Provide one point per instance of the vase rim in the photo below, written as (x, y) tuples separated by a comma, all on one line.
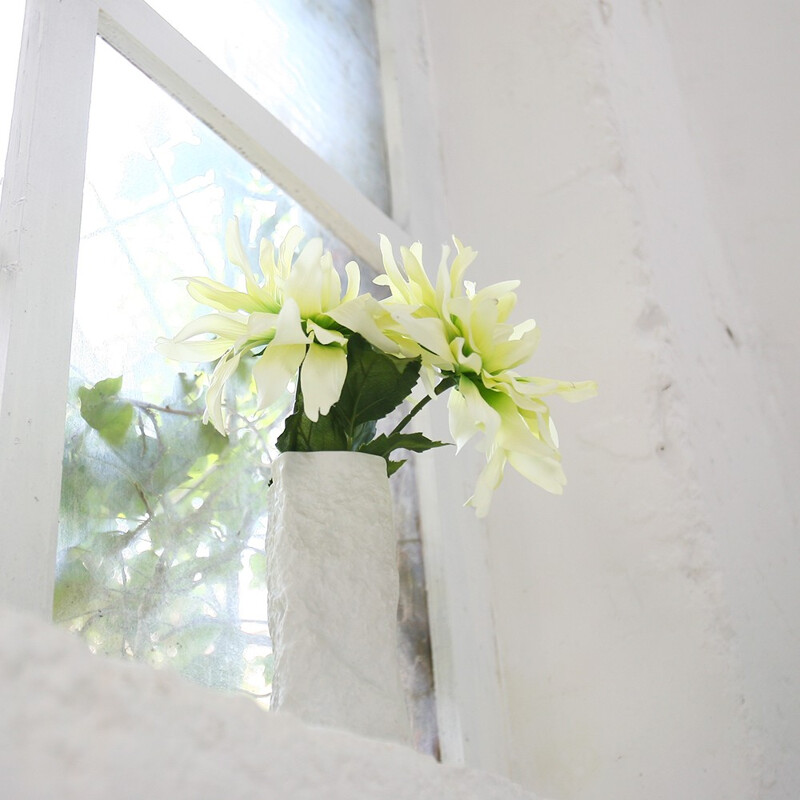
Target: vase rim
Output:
[(324, 454), (325, 460)]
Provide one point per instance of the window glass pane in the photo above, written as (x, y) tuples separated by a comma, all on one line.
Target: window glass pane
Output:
[(10, 37), (162, 524), (313, 65)]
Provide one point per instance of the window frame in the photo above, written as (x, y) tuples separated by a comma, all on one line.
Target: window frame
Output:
[(40, 211)]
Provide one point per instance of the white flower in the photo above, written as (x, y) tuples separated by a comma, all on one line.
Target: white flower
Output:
[(295, 311), (463, 335)]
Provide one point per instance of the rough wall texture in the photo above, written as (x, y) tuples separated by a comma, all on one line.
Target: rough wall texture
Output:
[(79, 727), (630, 613), (738, 69), (714, 203)]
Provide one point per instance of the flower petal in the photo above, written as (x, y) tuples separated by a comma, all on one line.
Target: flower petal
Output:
[(511, 353), (515, 433), (417, 277), (262, 325), (213, 413), (464, 257), (496, 291), (489, 479), (199, 351), (286, 251), (572, 391), (305, 282), (236, 251), (225, 326), (275, 368), (353, 281), (393, 278), (325, 336), (462, 425), (429, 332), (472, 415), (464, 361), (366, 316), (331, 285), (279, 362), (544, 472), (218, 295), (289, 327), (321, 378), (272, 277)]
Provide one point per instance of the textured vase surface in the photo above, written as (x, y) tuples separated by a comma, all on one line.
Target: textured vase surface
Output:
[(333, 591)]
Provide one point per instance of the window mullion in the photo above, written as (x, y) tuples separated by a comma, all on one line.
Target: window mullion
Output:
[(40, 216)]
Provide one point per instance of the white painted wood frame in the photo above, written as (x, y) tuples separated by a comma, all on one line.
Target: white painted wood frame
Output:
[(39, 235), (40, 214), (470, 702)]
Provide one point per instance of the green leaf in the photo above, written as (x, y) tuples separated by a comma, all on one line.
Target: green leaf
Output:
[(142, 569), (393, 465), (384, 445), (363, 433), (181, 441), (189, 643), (104, 411), (375, 385), (73, 591), (210, 440), (300, 434), (201, 466)]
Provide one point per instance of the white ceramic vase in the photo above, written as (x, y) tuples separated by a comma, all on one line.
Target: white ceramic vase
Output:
[(333, 592)]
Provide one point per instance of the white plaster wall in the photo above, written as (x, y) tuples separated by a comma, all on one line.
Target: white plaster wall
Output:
[(718, 239), (738, 67), (646, 620)]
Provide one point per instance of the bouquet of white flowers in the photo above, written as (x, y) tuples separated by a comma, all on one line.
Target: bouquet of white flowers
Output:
[(349, 360)]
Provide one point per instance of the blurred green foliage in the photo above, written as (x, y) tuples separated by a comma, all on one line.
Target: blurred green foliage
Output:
[(162, 527)]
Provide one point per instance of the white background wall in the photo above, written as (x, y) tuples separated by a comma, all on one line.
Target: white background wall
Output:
[(636, 165)]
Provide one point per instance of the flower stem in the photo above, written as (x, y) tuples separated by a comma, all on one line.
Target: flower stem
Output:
[(442, 386)]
